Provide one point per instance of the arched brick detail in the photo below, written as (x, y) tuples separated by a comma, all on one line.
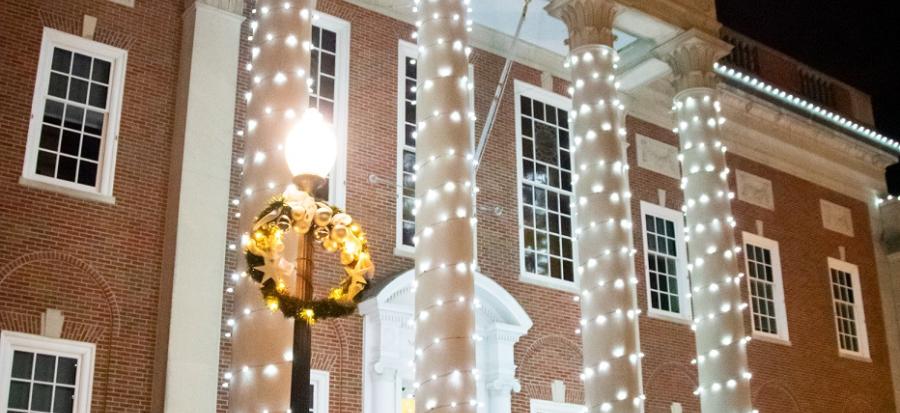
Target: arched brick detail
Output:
[(668, 379), (25, 323), (114, 310), (775, 397), (536, 357)]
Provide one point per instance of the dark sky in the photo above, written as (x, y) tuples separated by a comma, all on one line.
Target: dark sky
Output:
[(857, 42)]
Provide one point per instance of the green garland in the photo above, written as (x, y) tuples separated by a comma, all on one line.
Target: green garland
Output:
[(298, 213)]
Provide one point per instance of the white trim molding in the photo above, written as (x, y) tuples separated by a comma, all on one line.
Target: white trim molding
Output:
[(102, 188), (547, 406), (320, 380), (776, 283), (84, 353)]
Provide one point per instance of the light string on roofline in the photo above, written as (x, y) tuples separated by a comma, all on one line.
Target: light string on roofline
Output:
[(702, 154), (807, 106), (597, 116)]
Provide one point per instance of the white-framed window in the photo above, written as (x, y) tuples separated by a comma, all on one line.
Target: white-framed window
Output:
[(547, 406), (41, 374), (329, 73), (318, 385), (544, 164), (849, 315), (665, 263), (406, 144), (75, 114), (766, 287)]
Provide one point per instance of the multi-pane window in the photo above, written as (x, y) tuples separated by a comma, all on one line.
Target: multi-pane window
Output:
[(766, 287), (545, 166), (407, 143), (664, 261), (318, 386), (323, 75), (40, 374), (848, 308), (75, 113)]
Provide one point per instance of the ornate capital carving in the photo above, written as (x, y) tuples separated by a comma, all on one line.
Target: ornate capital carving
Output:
[(691, 56), (588, 21)]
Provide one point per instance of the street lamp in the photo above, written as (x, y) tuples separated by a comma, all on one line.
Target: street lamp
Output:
[(310, 150)]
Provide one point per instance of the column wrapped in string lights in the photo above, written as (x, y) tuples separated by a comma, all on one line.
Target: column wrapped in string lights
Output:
[(260, 375), (445, 292), (715, 278), (603, 226)]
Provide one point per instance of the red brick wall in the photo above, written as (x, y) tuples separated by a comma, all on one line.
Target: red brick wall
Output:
[(100, 264)]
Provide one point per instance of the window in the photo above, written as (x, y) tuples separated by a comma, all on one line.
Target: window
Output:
[(665, 262), (545, 187), (41, 374), (318, 385), (75, 116), (329, 69), (766, 287), (849, 317), (406, 144)]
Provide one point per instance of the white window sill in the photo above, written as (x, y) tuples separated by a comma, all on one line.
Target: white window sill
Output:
[(854, 356), (75, 193), (546, 281), (404, 251), (769, 338), (669, 316)]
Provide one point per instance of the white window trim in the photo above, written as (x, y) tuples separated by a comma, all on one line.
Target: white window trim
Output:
[(406, 49), (684, 285), (547, 406), (320, 380), (783, 336), (83, 352), (337, 191), (562, 102), (102, 192), (859, 310)]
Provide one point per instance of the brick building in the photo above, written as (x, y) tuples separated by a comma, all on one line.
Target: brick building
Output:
[(124, 139)]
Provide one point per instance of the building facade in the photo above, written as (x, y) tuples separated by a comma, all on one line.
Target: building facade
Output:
[(124, 135)]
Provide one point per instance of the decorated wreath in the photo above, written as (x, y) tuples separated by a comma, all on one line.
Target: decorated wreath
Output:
[(296, 211)]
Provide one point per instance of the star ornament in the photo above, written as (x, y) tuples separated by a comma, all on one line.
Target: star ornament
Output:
[(276, 269)]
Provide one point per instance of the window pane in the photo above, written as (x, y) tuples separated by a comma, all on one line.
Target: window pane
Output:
[(49, 138), (41, 397), (87, 173), (81, 66), (101, 71), (19, 394), (46, 164), (45, 368), (65, 373), (74, 117), (329, 40), (98, 96), (59, 85), (66, 169), (71, 142), (22, 361), (93, 122), (62, 59), (53, 112), (63, 400), (545, 142), (78, 90)]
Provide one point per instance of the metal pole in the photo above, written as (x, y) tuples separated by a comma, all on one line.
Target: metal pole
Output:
[(301, 396)]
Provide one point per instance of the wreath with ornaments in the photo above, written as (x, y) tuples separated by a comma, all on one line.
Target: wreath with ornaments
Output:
[(299, 213)]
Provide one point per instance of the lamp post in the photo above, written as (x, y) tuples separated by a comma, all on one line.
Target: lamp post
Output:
[(310, 149)]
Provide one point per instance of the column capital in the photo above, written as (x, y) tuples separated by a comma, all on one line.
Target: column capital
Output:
[(588, 21), (231, 6), (691, 56)]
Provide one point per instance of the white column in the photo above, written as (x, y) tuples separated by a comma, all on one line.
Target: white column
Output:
[(603, 226), (884, 217), (500, 366), (280, 56), (197, 216), (715, 275), (445, 291)]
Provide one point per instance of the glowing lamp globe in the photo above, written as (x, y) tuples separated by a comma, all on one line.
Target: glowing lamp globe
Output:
[(311, 146)]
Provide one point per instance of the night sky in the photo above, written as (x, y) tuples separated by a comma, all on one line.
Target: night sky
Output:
[(857, 42)]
